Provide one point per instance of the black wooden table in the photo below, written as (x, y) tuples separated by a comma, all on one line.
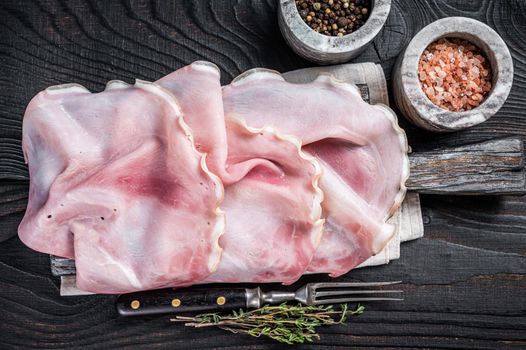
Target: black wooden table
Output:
[(465, 281)]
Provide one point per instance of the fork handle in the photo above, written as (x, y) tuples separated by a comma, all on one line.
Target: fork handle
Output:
[(172, 301)]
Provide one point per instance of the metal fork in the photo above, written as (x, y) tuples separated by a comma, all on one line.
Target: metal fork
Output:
[(325, 293), (202, 299)]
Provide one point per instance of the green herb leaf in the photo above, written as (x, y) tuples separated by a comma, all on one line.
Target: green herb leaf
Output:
[(290, 324)]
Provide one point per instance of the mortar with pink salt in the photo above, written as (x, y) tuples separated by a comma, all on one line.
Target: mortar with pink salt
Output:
[(455, 73)]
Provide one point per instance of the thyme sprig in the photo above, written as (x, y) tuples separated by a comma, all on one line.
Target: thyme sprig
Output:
[(285, 323)]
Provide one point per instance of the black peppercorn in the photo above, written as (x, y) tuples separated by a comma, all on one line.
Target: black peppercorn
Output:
[(342, 22), (334, 17)]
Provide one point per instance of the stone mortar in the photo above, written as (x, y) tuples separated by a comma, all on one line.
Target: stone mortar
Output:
[(418, 108), (324, 49)]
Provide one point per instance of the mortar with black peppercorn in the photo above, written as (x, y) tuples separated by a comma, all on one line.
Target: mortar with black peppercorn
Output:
[(331, 31)]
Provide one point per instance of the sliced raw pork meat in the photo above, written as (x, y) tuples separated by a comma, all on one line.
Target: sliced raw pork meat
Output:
[(362, 151), (272, 202), (273, 213), (185, 182), (117, 184)]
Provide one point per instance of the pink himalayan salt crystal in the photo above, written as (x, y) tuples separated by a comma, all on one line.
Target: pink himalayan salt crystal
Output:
[(454, 74)]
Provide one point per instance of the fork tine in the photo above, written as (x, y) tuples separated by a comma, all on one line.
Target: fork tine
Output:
[(348, 300), (346, 292), (352, 284)]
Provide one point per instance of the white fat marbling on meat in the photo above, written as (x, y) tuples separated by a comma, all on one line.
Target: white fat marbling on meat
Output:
[(272, 201), (362, 149), (117, 184)]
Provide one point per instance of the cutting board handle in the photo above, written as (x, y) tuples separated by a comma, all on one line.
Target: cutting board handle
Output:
[(494, 167), (488, 168)]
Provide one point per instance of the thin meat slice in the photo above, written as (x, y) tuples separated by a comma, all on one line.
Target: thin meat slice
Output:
[(362, 151), (351, 232), (273, 212), (272, 201), (198, 92), (117, 184)]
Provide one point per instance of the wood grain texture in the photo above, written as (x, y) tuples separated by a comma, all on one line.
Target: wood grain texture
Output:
[(465, 281), (493, 167)]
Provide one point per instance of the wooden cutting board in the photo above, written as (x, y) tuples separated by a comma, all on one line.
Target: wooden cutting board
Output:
[(493, 167)]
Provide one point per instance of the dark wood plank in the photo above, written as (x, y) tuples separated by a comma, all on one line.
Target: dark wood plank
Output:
[(13, 201), (464, 281), (493, 167), (12, 163)]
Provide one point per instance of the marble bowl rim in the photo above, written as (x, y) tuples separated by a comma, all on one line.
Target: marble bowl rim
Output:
[(478, 31), (342, 44)]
